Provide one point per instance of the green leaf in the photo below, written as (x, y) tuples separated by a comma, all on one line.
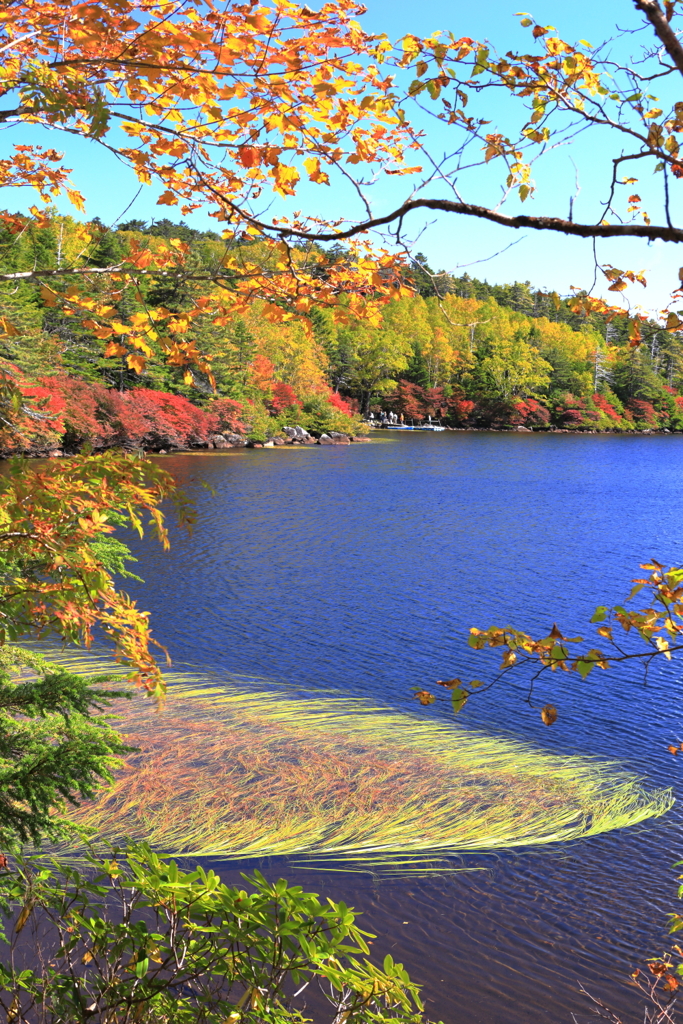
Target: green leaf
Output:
[(583, 666), (141, 967), (459, 699), (600, 613)]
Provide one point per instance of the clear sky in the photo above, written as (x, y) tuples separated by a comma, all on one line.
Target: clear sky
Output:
[(449, 242)]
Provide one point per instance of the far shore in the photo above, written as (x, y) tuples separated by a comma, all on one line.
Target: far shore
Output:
[(302, 439)]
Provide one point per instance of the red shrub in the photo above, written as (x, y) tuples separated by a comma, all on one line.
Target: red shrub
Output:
[(572, 418), (408, 399), (78, 412), (604, 406), (342, 404), (462, 410), (572, 412), (435, 402), (531, 413), (227, 414), (172, 420), (282, 397), (643, 412)]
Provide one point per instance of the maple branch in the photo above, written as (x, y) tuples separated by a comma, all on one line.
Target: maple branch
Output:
[(657, 18), (558, 224), (17, 112)]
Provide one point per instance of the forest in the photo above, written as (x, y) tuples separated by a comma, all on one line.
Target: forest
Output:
[(471, 354)]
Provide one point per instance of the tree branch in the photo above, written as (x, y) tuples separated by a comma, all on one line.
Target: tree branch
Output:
[(558, 224), (655, 15)]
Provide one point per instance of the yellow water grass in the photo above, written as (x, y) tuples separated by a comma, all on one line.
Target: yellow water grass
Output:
[(240, 772)]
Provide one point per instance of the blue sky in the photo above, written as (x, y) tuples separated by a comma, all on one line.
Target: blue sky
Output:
[(449, 242)]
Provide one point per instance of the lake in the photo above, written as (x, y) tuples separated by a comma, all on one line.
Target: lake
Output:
[(360, 569)]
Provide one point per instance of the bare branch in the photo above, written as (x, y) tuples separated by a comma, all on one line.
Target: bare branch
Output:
[(657, 18)]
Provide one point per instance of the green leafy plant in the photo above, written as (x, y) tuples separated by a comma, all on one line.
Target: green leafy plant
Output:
[(137, 939)]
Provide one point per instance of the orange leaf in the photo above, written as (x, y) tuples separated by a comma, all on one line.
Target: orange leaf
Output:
[(425, 697), (136, 362), (249, 156), (114, 349), (548, 714)]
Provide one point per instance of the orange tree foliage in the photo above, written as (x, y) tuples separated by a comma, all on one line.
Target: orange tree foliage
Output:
[(56, 567), (223, 104), (219, 104)]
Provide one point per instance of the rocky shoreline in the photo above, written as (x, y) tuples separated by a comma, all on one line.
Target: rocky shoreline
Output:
[(299, 436), (295, 436)]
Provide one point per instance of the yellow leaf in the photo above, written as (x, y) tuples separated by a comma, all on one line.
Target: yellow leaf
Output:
[(23, 916), (312, 165), (7, 328), (285, 179)]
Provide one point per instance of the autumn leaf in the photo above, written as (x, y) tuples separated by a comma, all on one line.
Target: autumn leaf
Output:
[(136, 362), (548, 714), (24, 915), (114, 349), (425, 697)]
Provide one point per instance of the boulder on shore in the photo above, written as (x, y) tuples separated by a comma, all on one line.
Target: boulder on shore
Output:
[(334, 438), (296, 433)]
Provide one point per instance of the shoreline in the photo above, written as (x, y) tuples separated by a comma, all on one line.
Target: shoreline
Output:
[(235, 442)]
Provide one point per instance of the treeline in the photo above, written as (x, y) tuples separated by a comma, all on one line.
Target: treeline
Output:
[(470, 353)]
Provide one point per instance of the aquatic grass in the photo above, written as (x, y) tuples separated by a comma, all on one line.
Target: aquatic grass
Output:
[(239, 772)]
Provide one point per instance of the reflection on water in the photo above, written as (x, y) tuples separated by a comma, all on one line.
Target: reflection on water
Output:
[(360, 569)]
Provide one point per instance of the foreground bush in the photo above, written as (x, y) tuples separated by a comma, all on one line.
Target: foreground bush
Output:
[(136, 939)]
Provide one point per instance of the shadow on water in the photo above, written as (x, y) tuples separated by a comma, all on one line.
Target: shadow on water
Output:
[(360, 569)]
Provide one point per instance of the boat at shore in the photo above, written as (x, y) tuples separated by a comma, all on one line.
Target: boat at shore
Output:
[(407, 426)]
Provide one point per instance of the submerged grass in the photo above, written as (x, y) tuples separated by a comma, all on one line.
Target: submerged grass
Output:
[(240, 772)]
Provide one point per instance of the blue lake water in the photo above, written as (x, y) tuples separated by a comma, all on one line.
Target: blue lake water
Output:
[(360, 569)]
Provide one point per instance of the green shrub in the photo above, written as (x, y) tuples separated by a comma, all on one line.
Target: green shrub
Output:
[(136, 940)]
